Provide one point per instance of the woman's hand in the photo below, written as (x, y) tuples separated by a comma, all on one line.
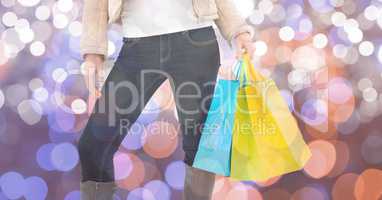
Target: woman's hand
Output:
[(93, 76), (243, 44)]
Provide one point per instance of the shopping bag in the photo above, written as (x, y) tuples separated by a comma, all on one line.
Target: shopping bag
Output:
[(266, 139), (214, 150)]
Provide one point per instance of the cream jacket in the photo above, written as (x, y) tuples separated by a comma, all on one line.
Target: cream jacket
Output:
[(97, 14)]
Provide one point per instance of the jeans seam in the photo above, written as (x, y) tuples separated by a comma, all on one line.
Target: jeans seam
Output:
[(164, 44)]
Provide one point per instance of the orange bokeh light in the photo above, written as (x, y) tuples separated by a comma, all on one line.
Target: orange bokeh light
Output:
[(277, 194), (135, 176), (323, 159), (243, 191), (228, 189), (221, 188), (342, 158), (270, 37), (369, 185), (161, 139), (344, 186)]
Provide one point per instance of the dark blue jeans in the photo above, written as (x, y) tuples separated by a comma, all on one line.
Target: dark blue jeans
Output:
[(189, 59)]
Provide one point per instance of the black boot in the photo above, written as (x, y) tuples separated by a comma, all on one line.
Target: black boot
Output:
[(198, 185)]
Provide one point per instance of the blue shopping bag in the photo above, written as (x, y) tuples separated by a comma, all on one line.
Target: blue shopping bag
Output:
[(214, 150)]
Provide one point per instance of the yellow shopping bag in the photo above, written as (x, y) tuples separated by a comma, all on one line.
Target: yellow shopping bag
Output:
[(266, 139)]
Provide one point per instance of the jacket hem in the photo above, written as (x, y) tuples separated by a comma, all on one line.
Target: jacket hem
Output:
[(93, 50)]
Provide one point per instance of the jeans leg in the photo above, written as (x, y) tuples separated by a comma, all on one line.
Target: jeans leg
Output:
[(124, 95), (194, 68)]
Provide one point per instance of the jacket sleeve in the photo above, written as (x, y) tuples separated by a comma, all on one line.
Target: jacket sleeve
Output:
[(230, 22), (94, 27)]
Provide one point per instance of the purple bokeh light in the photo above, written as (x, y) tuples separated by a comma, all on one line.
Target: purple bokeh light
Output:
[(36, 188), (64, 156), (159, 189), (125, 165), (149, 113), (43, 157), (141, 194), (175, 174), (74, 195), (2, 196), (322, 6), (313, 112), (13, 185), (133, 139)]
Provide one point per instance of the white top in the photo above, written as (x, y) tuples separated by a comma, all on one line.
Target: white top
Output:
[(141, 18)]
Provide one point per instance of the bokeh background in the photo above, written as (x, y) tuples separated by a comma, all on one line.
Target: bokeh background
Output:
[(325, 56)]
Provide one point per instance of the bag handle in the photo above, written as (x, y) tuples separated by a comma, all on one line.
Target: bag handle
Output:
[(241, 70), (252, 74), (236, 69)]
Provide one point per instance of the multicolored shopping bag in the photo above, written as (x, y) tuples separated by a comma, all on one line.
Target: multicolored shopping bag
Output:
[(214, 150), (266, 139)]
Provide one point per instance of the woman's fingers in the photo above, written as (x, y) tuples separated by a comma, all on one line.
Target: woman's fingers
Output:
[(93, 77), (249, 48), (99, 80), (240, 50), (245, 47), (90, 74), (90, 80)]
